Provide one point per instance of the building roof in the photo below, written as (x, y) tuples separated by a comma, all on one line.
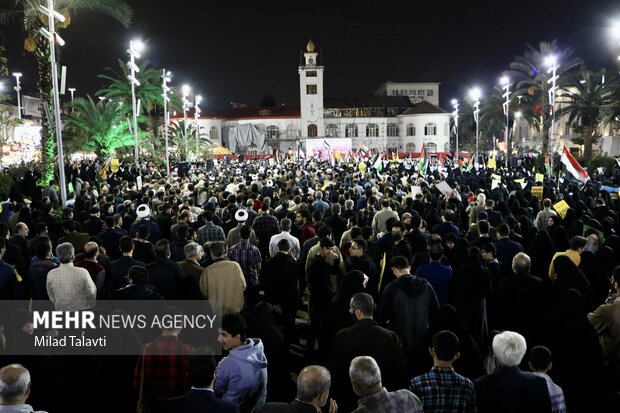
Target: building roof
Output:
[(423, 107), (367, 102), (246, 113)]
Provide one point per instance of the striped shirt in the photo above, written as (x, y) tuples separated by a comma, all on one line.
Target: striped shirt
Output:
[(558, 405), (247, 256), (400, 401), (209, 233), (444, 390)]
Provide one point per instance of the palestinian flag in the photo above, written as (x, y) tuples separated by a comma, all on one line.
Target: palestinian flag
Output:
[(422, 161), (326, 145), (378, 163), (300, 152)]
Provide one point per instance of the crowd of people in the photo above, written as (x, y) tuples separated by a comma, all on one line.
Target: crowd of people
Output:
[(377, 289)]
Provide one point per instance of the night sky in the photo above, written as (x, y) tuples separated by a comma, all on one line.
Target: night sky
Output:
[(241, 50)]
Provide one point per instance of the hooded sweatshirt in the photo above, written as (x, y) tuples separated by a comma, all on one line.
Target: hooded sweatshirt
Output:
[(242, 376), (406, 307)]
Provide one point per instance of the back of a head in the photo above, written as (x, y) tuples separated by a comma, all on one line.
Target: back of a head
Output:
[(445, 344), (245, 231), (503, 230), (448, 215), (435, 252), (483, 227), (284, 245), (509, 348), (326, 242), (43, 249), (546, 203), (138, 274), (311, 382), (399, 262), (126, 244), (324, 231), (578, 242), (143, 231), (365, 371), (65, 252), (191, 250), (521, 263), (14, 381), (201, 367), (162, 248), (336, 209), (286, 224), (540, 358), (216, 249)]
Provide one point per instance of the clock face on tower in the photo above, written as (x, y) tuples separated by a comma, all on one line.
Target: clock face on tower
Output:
[(310, 61)]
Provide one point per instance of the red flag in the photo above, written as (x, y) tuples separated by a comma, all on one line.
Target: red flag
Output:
[(573, 166)]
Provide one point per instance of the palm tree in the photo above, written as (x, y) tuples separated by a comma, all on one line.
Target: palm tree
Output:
[(101, 127), (28, 12), (530, 75), (176, 136), (587, 98)]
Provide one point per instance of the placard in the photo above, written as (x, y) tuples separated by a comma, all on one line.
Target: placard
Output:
[(537, 191), (561, 208)]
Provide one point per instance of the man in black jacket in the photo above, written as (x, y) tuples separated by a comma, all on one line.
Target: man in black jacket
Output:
[(365, 338), (119, 269), (167, 277), (280, 283)]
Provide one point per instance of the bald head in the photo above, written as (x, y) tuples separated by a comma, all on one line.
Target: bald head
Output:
[(91, 249), (313, 385), (14, 384)]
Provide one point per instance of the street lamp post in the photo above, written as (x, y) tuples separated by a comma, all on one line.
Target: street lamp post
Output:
[(552, 63), (72, 91), (197, 101), (475, 95), (186, 105), (134, 53), (165, 78), (18, 89), (53, 38), (455, 105), (506, 105), (518, 126)]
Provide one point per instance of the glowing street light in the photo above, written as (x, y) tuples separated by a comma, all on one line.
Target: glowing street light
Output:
[(475, 96), (53, 38), (505, 81), (18, 89), (552, 63), (166, 76), (135, 47), (72, 91), (455, 105)]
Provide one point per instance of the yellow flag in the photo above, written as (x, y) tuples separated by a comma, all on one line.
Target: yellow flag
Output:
[(540, 177), (519, 181), (492, 163)]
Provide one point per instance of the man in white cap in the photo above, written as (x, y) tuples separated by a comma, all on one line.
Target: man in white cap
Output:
[(233, 238)]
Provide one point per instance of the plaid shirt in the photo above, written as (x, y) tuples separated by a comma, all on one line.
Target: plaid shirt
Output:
[(165, 368), (400, 401), (558, 405), (265, 226), (209, 233), (444, 390), (247, 256)]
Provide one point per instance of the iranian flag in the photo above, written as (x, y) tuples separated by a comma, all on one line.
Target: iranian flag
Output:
[(573, 166)]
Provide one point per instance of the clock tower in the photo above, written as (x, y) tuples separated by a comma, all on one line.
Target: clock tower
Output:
[(311, 94)]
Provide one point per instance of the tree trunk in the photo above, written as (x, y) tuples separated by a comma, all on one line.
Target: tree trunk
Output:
[(587, 142), (48, 134)]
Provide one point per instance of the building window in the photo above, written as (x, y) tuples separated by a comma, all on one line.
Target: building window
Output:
[(332, 130), (372, 130), (446, 147), (394, 92), (431, 147), (273, 132), (310, 89), (311, 73), (410, 129), (420, 92), (392, 129), (313, 131), (213, 134), (411, 92), (429, 92), (410, 147), (351, 131), (430, 129), (403, 93)]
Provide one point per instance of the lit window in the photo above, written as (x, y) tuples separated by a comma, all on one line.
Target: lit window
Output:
[(311, 73), (310, 89), (332, 130)]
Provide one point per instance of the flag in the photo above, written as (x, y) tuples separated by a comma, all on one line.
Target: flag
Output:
[(378, 163), (300, 152), (422, 161), (573, 166), (336, 154), (326, 145), (470, 167)]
